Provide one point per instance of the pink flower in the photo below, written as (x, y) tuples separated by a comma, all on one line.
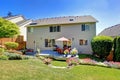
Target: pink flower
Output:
[(88, 61), (72, 61)]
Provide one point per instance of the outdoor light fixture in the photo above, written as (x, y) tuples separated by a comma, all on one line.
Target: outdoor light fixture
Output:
[(72, 39)]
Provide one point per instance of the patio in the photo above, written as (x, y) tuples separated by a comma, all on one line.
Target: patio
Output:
[(53, 54), (48, 53)]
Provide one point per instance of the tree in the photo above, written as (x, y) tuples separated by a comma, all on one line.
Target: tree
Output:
[(8, 29), (117, 49), (114, 48), (102, 45)]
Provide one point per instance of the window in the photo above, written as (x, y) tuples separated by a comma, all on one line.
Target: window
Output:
[(83, 42), (71, 19), (54, 28), (49, 42), (68, 43), (30, 29), (85, 27), (64, 43), (58, 28), (51, 29)]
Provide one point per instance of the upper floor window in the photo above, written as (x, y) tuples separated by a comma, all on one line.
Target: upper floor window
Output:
[(85, 27), (30, 29), (71, 19), (55, 28)]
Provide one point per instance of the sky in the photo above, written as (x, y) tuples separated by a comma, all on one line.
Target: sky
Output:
[(107, 12)]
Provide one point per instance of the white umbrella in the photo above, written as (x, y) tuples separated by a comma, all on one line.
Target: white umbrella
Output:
[(62, 39)]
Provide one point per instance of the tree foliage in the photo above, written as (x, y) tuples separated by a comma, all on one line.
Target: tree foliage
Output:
[(11, 45), (114, 47), (8, 29), (102, 45), (117, 49)]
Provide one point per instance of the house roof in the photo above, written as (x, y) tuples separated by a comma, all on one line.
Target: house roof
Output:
[(63, 20), (23, 22), (111, 31), (12, 17), (20, 23)]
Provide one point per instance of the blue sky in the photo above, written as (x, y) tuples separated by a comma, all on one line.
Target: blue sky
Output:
[(107, 12)]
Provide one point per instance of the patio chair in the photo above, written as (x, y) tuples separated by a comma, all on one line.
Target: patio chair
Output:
[(59, 50)]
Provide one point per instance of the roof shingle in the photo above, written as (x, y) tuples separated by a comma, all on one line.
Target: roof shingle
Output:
[(111, 31), (64, 20)]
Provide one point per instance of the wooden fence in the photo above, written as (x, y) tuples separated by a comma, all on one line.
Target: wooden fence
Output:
[(19, 40)]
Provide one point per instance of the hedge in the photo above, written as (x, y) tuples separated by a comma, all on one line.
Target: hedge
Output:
[(117, 49), (102, 45)]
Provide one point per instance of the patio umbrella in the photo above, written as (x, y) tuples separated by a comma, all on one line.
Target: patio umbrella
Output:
[(62, 39)]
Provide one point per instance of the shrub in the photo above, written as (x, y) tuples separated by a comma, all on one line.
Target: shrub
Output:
[(117, 50), (11, 45), (47, 61), (12, 56), (72, 61), (2, 50), (74, 51), (25, 57), (114, 47), (14, 51), (15, 57), (102, 45), (3, 57)]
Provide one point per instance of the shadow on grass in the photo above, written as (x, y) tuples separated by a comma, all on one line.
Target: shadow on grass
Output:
[(82, 56)]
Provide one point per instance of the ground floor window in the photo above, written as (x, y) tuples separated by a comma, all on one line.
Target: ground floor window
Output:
[(83, 42), (49, 42), (67, 43)]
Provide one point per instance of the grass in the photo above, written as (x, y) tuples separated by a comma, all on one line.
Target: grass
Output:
[(34, 69), (82, 56)]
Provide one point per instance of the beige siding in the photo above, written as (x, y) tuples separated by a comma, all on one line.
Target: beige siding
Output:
[(72, 31)]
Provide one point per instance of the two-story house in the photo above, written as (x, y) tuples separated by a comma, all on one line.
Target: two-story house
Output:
[(42, 33)]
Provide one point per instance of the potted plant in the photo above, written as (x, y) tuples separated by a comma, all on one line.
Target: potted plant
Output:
[(66, 52), (73, 52)]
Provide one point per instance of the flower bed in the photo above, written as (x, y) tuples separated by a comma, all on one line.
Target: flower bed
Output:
[(88, 61), (111, 64)]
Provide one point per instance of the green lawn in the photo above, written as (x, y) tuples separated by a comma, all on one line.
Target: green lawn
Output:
[(34, 69)]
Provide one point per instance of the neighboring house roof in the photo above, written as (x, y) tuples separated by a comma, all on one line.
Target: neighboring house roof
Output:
[(24, 22), (20, 23), (63, 20), (12, 17), (111, 31)]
